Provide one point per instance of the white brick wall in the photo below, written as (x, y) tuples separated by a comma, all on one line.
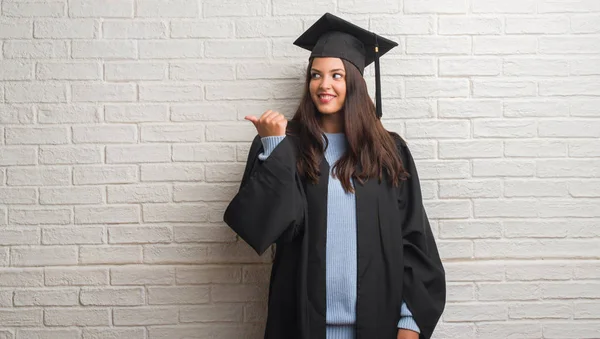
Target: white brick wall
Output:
[(122, 139)]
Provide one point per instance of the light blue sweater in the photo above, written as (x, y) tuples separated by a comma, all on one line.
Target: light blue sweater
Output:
[(341, 243)]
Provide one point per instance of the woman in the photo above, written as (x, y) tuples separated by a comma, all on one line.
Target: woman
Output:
[(340, 197)]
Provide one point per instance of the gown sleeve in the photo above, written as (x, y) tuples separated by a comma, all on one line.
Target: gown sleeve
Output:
[(424, 289), (269, 204)]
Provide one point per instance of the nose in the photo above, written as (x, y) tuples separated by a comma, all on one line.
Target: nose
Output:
[(325, 82)]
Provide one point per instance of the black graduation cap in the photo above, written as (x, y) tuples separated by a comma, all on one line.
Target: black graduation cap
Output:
[(331, 36)]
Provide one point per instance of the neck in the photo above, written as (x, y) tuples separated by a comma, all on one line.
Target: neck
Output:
[(332, 123)]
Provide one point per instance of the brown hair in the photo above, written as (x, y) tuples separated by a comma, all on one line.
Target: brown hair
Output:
[(370, 145)]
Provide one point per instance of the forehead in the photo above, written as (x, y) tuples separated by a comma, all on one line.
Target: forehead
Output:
[(325, 63)]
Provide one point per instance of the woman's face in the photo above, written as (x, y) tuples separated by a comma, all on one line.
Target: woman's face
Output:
[(328, 84)]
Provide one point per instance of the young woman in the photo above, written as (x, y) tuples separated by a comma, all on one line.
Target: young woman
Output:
[(340, 197)]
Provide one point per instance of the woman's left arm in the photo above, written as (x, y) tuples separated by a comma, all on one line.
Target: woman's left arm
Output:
[(424, 285)]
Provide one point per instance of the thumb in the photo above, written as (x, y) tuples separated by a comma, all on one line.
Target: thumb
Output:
[(252, 119)]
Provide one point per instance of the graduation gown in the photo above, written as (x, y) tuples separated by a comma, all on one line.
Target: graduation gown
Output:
[(397, 258)]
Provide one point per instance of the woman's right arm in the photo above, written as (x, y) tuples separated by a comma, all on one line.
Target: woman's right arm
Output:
[(270, 199)]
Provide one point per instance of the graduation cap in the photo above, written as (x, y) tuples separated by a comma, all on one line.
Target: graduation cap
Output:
[(331, 36)]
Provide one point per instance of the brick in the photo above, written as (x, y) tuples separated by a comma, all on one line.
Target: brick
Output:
[(359, 7), (584, 66), (10, 156), (573, 329), (167, 8), (63, 155), (507, 291), (210, 152), (535, 108), (584, 108), (38, 176), (27, 10), (138, 154), (16, 70), (71, 195), (549, 228), (460, 292), (238, 293), (90, 175), (19, 237), (21, 317), (509, 330), (166, 254), (569, 290), (110, 255), (178, 295), (138, 193), (76, 276), (107, 214), (206, 192), (121, 71), (256, 28), (67, 114), (105, 134), (522, 188), (469, 108), (98, 9), (39, 216), (170, 93), (66, 29), (437, 129), (470, 66), (585, 23), (29, 49), (68, 71), (504, 6), (221, 331), (409, 66), (174, 213), (134, 29), (505, 128), (438, 45), (584, 148), (475, 312), (201, 71), (139, 235), (105, 49), (537, 25), (562, 6), (13, 114), (581, 87), (569, 208), (470, 230), (443, 169), (114, 333), (569, 45), (171, 49), (470, 189), (172, 172), (440, 88), (434, 6), (76, 316), (256, 274), (44, 256), (535, 148), (208, 274), (470, 149), (529, 271), (237, 49), (509, 168), (16, 29), (202, 234), (461, 25), (15, 195), (38, 92), (532, 249), (577, 128), (72, 236), (212, 313), (120, 296), (500, 89), (455, 249), (224, 172), (136, 113), (207, 29), (557, 168), (483, 45), (140, 316), (586, 310), (448, 209), (46, 297), (140, 275), (103, 92), (21, 277), (48, 333), (36, 136), (202, 112)]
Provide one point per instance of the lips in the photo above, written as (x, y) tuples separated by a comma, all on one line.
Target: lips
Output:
[(325, 97)]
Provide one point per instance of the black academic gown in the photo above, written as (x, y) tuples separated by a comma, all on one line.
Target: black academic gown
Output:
[(397, 255)]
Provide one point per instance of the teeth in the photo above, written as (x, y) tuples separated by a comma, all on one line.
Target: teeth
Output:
[(326, 96)]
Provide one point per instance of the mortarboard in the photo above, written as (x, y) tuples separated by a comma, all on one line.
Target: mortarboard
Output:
[(331, 36)]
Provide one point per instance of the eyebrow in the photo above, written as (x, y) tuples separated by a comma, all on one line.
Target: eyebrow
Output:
[(333, 70)]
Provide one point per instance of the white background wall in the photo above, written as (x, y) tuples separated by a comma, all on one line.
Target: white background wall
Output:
[(122, 140)]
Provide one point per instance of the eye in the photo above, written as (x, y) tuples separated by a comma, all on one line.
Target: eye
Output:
[(338, 76), (314, 75)]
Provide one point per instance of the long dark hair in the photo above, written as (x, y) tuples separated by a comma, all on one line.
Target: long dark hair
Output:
[(371, 147)]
